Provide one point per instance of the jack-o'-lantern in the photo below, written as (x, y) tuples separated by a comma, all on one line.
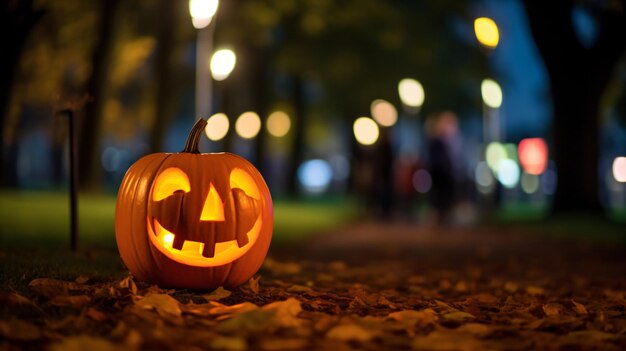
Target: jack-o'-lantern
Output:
[(192, 220)]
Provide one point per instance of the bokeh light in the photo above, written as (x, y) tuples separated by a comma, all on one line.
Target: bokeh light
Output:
[(222, 64), (202, 12), (315, 175), (485, 181), (494, 154), (486, 31), (549, 181), (529, 183), (278, 124), (365, 130), (411, 92), (619, 169), (248, 125), (217, 126), (508, 173), (422, 181), (491, 93), (533, 155), (384, 112)]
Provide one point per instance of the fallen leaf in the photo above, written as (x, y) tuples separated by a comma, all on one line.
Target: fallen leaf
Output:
[(86, 342), (217, 294), (82, 279), (510, 287), (128, 285), (165, 305), (350, 332), (253, 283), (299, 289), (282, 343), (286, 313), (579, 307), (74, 301), (552, 309), (458, 316), (535, 290), (411, 317), (229, 343), (50, 288), (96, 314), (13, 298), (19, 330), (281, 268), (445, 341), (475, 329), (227, 311)]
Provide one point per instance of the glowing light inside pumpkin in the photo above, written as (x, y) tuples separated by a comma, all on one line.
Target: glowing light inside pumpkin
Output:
[(384, 112), (168, 182), (168, 239), (217, 127), (365, 130), (244, 181), (486, 32), (533, 155), (248, 125), (213, 209), (278, 124), (191, 252), (411, 92)]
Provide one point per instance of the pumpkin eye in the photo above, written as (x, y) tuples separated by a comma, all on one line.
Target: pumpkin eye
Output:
[(242, 180), (169, 181)]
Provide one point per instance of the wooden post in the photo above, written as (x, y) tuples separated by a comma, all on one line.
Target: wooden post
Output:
[(73, 178)]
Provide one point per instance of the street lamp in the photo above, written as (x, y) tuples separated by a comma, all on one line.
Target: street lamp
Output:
[(202, 13)]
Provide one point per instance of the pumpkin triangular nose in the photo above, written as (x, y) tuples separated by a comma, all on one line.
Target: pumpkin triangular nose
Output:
[(213, 209)]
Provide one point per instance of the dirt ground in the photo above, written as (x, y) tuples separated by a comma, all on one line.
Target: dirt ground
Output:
[(372, 286)]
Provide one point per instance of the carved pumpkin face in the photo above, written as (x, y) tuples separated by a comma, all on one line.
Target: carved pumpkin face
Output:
[(193, 220)]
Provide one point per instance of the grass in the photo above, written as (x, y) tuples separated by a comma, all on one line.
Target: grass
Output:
[(608, 229), (34, 239)]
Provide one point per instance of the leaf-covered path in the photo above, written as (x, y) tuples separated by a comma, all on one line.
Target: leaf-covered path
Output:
[(373, 286)]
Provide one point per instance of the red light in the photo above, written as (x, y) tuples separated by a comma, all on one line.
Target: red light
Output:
[(533, 155)]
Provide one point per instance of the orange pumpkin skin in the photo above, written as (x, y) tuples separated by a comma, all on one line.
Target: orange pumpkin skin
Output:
[(155, 214)]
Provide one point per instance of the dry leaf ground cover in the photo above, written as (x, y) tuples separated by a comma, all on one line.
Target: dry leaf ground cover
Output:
[(372, 286)]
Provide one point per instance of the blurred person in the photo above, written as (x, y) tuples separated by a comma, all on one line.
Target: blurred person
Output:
[(405, 168), (382, 194), (443, 152)]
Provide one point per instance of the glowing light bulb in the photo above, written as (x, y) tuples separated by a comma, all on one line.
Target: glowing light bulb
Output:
[(217, 126), (278, 124), (222, 64), (384, 112), (411, 92), (491, 93)]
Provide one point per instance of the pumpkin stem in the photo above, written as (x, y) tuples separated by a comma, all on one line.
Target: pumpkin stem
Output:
[(193, 139)]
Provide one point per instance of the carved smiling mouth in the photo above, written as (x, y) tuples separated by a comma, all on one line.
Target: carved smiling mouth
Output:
[(195, 253)]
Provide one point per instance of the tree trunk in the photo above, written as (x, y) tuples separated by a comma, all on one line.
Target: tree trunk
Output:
[(166, 94), (578, 79), (90, 131), (298, 126), (261, 85), (17, 19)]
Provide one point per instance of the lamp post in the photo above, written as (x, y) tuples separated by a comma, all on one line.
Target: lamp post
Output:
[(202, 13)]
